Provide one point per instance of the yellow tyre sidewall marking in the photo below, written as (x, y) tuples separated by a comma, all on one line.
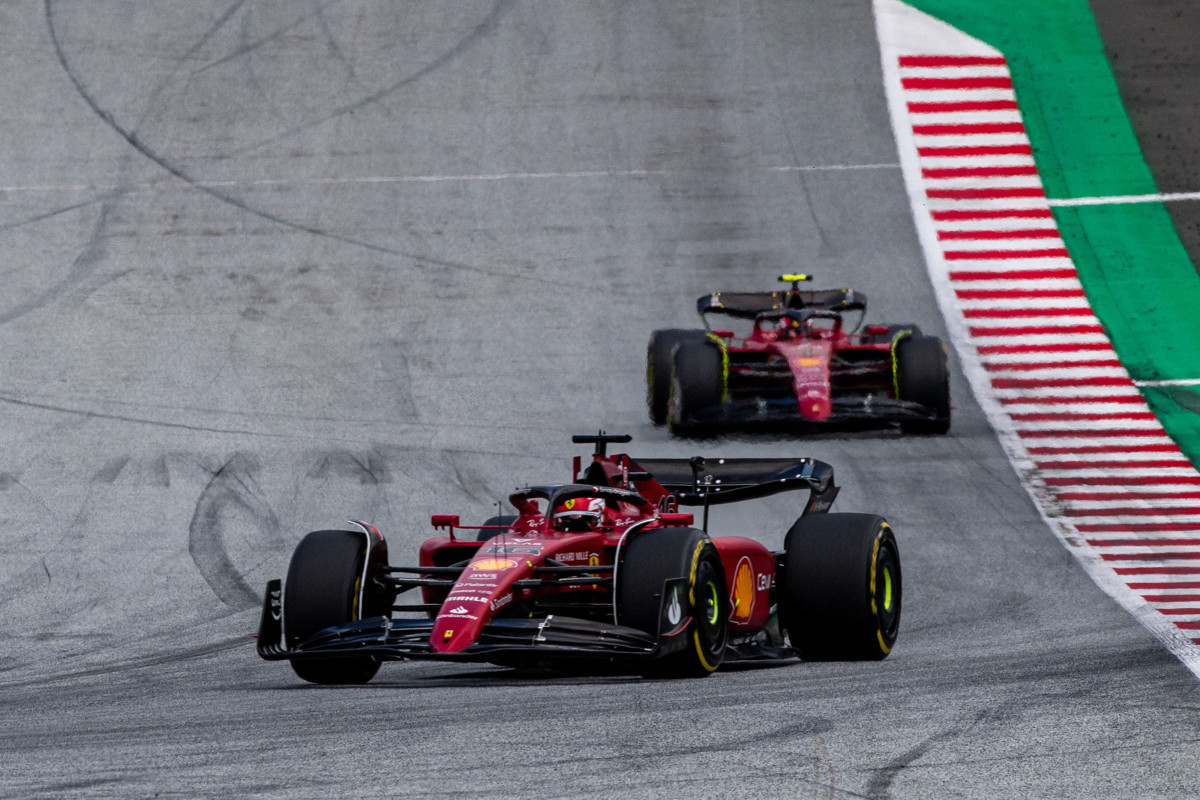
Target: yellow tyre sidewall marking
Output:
[(708, 667), (883, 528)]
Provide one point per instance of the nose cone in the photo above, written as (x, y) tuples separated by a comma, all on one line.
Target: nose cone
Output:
[(458, 625), (815, 404), (484, 588)]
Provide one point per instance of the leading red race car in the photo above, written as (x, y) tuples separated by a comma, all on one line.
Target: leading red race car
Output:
[(800, 365), (602, 570)]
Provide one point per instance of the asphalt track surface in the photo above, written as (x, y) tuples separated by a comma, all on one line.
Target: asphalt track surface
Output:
[(269, 266)]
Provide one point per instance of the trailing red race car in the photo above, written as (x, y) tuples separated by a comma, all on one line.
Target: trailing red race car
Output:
[(800, 365), (604, 569)]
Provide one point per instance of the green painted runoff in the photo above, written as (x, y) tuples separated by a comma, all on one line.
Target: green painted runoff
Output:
[(1133, 267)]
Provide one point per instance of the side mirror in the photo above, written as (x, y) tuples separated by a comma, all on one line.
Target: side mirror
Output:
[(445, 521), (676, 520)]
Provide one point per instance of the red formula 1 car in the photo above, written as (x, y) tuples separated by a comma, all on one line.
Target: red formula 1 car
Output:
[(602, 570), (799, 365)]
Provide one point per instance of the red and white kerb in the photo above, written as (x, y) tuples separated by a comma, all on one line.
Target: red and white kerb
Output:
[(1104, 473)]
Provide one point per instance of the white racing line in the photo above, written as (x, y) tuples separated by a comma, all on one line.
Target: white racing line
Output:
[(173, 183), (1110, 483)]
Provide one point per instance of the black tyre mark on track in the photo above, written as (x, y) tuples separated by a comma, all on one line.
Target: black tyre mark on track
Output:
[(880, 786), (331, 42), (79, 412), (250, 46), (93, 252), (232, 488), (219, 23), (202, 651), (112, 470), (481, 30), (45, 215), (83, 266), (135, 141), (369, 470)]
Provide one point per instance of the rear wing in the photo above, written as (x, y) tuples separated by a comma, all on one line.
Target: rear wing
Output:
[(702, 481), (748, 305)]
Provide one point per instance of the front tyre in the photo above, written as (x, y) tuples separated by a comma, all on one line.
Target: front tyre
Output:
[(494, 526), (325, 588), (923, 377), (698, 385), (654, 557), (842, 588), (660, 351)]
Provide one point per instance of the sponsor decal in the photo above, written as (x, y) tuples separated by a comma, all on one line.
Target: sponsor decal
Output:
[(458, 610), (480, 577), (446, 636), (501, 602), (466, 598), (808, 362), (742, 597), (493, 564), (581, 556)]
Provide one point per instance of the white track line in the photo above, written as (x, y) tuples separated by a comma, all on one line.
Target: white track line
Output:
[(174, 183)]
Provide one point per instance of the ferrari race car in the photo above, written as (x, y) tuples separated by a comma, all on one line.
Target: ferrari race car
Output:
[(603, 570), (800, 365)]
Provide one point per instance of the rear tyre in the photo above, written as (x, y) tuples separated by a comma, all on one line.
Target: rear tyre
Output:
[(487, 533), (923, 376), (659, 353), (697, 387), (654, 557), (897, 328), (324, 588), (842, 588)]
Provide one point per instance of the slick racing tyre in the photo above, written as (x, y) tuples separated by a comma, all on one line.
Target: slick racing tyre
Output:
[(842, 590), (923, 377), (486, 532), (697, 386), (653, 557), (324, 588), (659, 353)]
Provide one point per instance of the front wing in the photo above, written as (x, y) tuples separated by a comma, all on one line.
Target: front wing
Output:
[(550, 637), (847, 410)]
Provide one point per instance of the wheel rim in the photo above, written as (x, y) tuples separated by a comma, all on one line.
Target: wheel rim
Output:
[(714, 605), (711, 631), (887, 592)]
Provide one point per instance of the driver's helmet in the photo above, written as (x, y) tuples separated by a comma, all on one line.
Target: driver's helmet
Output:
[(792, 325), (579, 514)]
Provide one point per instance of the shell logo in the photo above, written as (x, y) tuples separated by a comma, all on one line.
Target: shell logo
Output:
[(493, 564), (741, 599)]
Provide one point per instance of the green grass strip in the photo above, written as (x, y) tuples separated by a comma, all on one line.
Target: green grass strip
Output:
[(1136, 273)]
